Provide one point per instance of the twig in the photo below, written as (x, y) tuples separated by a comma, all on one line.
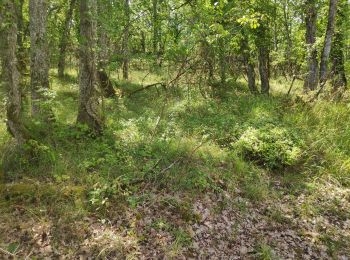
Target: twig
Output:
[(323, 84), (7, 252), (291, 85), (145, 77), (181, 5), (158, 120), (180, 159)]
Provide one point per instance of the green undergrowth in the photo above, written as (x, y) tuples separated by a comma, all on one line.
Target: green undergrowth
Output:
[(157, 142), (202, 140), (178, 141)]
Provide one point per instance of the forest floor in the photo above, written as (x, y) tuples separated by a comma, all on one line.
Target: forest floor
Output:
[(176, 175)]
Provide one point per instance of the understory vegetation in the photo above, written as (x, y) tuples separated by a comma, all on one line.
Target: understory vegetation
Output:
[(286, 158), (175, 129)]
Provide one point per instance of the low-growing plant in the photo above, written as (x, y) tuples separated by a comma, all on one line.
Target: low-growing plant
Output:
[(271, 146)]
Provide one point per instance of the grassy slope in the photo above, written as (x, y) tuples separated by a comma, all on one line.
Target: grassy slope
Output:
[(164, 160)]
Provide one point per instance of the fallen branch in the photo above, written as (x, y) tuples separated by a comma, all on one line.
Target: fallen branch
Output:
[(147, 87)]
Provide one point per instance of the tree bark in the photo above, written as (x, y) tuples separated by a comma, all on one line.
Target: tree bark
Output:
[(264, 69), (338, 64), (126, 40), (222, 61), (311, 79), (103, 55), (143, 42), (328, 40), (289, 46), (64, 40), (263, 46), (337, 56), (155, 27), (89, 109), (20, 36), (249, 65), (39, 59), (11, 74), (158, 47)]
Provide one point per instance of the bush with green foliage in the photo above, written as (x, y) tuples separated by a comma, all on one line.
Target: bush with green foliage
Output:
[(271, 146)]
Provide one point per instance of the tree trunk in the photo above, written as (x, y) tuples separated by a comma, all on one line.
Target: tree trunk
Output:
[(105, 83), (89, 109), (39, 59), (264, 69), (208, 56), (155, 27), (338, 64), (20, 37), (311, 79), (222, 61), (103, 55), (337, 51), (263, 46), (143, 42), (328, 40), (126, 40), (157, 34), (275, 31), (11, 74), (249, 65), (64, 40), (289, 46)]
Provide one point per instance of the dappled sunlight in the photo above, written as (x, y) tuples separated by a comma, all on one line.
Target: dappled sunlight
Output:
[(175, 129)]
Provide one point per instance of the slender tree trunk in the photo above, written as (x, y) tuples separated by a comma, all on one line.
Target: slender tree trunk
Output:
[(155, 39), (311, 79), (275, 32), (208, 57), (289, 46), (264, 69), (157, 34), (263, 46), (222, 61), (328, 40), (89, 109), (338, 64), (249, 65), (143, 42), (337, 51), (126, 40), (20, 36), (39, 59), (103, 56), (64, 40), (11, 74)]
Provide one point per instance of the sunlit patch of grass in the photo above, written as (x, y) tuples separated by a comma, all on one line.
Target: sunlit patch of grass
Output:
[(282, 85), (265, 252), (108, 243), (182, 240)]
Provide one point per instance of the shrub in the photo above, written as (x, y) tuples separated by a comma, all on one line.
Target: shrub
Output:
[(271, 146)]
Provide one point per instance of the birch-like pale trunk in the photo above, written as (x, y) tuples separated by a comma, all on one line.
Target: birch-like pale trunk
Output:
[(311, 78), (328, 40)]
